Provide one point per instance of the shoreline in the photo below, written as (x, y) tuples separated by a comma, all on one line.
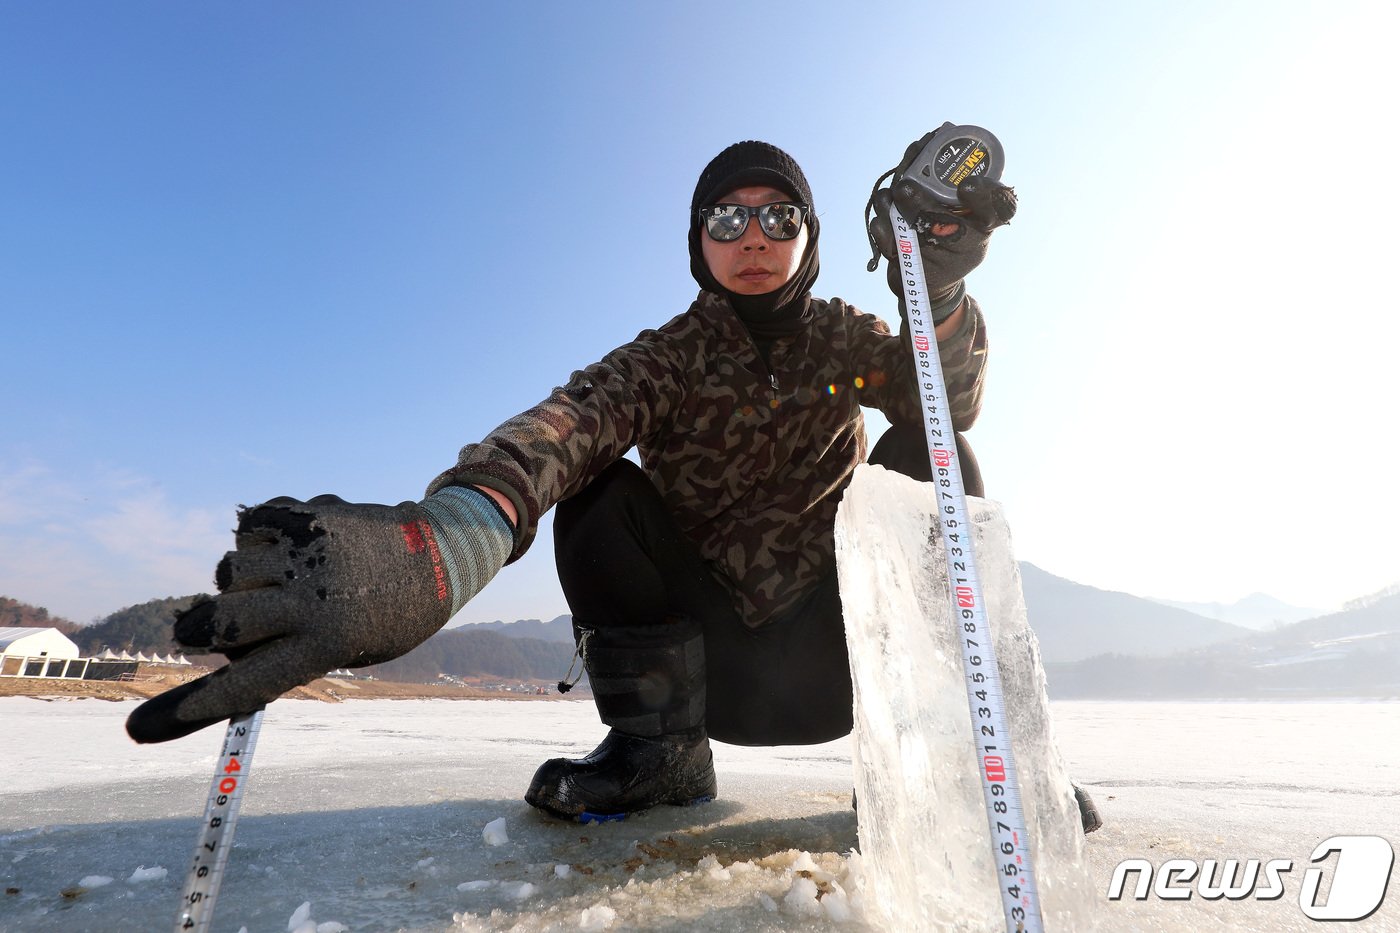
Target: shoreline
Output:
[(324, 689), (339, 690)]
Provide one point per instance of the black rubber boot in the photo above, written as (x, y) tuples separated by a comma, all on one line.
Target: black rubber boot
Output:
[(626, 774), (649, 685)]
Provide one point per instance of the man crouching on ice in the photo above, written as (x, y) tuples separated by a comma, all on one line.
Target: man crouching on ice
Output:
[(703, 583)]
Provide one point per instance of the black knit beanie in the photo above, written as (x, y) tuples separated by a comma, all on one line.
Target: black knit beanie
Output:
[(750, 163), (757, 163)]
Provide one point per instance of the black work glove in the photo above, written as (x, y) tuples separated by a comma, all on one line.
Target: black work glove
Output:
[(310, 587), (952, 239)]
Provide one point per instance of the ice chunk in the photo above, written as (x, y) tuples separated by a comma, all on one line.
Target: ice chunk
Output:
[(805, 863), (925, 845), (562, 871), (147, 874), (519, 890), (597, 917), (474, 885), (94, 881), (299, 916), (332, 926), (495, 832), (802, 897), (712, 868), (838, 908)]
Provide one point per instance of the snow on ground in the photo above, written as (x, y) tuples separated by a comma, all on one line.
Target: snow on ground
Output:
[(374, 815)]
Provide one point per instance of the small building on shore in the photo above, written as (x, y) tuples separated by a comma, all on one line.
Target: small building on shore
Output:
[(39, 652)]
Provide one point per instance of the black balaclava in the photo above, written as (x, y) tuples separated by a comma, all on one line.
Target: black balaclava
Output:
[(785, 310)]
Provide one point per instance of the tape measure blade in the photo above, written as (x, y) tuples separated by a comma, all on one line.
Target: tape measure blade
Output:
[(206, 873), (997, 768)]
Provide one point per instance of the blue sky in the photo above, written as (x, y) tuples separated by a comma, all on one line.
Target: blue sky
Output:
[(254, 250)]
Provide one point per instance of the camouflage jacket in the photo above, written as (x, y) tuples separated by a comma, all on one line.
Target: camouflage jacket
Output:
[(751, 458)]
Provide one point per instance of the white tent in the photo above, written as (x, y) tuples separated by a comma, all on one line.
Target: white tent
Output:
[(141, 656), (38, 652), (125, 656), (109, 655), (36, 642), (25, 642)]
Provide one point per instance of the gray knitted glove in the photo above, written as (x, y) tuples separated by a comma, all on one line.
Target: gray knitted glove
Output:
[(984, 206), (318, 585)]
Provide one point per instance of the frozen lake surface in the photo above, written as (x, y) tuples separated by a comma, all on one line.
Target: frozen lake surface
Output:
[(373, 811)]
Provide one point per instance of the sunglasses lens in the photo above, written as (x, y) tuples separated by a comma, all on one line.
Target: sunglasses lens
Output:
[(726, 222), (780, 221)]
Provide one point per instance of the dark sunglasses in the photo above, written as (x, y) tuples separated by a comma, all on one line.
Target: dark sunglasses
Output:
[(781, 220)]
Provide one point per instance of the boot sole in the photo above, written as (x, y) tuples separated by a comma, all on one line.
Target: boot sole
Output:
[(587, 817)]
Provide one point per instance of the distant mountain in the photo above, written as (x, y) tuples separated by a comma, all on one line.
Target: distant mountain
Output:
[(1073, 621), (467, 651), (527, 650), (1362, 602), (1377, 618), (147, 627), (1351, 653), (1256, 611), (1095, 643), (559, 629), (15, 614)]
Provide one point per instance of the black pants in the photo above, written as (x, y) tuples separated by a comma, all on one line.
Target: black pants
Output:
[(622, 561)]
